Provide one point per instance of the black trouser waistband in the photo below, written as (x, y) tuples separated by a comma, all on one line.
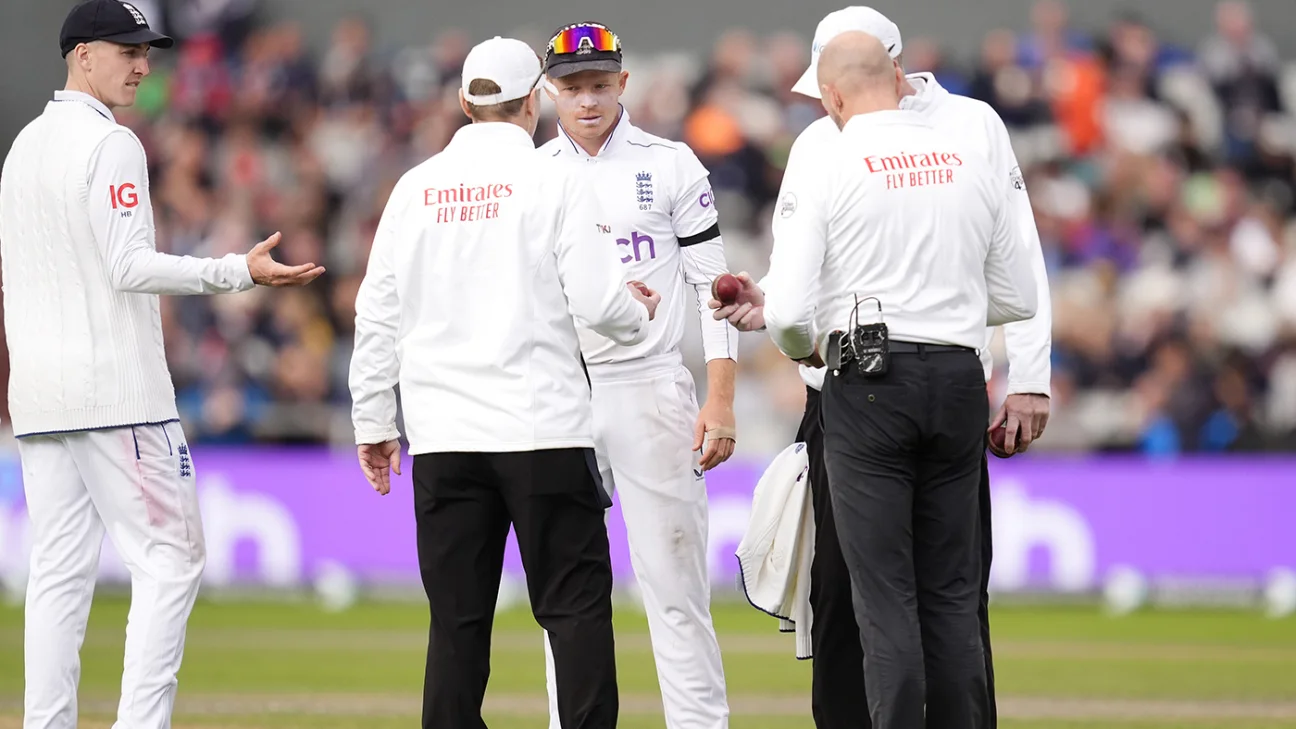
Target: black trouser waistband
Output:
[(920, 348), (900, 347)]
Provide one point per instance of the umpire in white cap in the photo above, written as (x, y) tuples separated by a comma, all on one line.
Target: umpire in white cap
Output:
[(485, 257)]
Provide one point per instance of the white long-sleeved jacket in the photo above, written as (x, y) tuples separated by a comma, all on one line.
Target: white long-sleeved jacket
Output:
[(487, 257), (973, 123), (82, 275), (904, 214)]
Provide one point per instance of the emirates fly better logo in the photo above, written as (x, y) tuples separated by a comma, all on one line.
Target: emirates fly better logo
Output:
[(135, 13)]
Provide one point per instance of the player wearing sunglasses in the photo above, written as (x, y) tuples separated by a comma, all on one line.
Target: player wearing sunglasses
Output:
[(653, 443)]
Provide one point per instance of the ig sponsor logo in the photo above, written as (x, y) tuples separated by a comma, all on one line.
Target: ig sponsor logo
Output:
[(123, 196)]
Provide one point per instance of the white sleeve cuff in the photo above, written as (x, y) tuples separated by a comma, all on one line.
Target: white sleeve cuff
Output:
[(375, 437), (240, 273), (1029, 388)]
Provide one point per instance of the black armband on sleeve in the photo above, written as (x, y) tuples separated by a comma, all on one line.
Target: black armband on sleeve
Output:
[(709, 234)]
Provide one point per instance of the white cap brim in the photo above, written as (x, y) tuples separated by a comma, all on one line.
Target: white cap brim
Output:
[(854, 18), (808, 84)]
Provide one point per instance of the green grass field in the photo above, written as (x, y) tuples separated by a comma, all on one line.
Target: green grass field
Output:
[(293, 665)]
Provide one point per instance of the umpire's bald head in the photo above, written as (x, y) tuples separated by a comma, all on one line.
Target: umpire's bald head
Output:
[(858, 76)]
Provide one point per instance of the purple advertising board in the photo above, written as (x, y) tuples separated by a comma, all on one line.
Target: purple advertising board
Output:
[(280, 517)]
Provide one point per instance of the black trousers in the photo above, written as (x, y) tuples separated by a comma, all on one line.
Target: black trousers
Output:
[(905, 458), (464, 503), (838, 696)]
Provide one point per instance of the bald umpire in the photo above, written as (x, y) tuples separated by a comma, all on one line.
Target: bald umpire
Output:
[(839, 696), (90, 392), (889, 265)]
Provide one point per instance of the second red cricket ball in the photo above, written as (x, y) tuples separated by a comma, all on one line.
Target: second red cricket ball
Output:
[(998, 439)]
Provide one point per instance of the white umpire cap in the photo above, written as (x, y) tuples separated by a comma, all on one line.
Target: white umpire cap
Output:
[(508, 62), (854, 18)]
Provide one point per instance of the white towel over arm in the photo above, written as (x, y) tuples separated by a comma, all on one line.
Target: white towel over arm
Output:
[(775, 553)]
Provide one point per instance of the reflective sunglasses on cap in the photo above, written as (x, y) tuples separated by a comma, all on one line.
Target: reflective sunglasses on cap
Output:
[(584, 38)]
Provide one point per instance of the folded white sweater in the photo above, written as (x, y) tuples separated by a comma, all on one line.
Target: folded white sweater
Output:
[(775, 553)]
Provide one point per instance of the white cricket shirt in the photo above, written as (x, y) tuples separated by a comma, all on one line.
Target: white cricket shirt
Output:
[(900, 212), (483, 256), (82, 273), (975, 125), (656, 196)]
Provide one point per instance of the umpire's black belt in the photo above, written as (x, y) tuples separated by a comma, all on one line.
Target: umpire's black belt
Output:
[(922, 349), (900, 347)]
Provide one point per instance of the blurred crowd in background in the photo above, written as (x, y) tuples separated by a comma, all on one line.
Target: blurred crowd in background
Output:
[(1162, 178)]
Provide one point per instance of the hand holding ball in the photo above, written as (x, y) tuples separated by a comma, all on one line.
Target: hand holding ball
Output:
[(738, 299), (998, 438), (646, 296), (725, 288)]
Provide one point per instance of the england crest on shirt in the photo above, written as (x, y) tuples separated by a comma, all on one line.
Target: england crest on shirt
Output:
[(644, 190)]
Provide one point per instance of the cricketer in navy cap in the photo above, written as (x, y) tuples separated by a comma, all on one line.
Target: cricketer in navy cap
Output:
[(108, 20)]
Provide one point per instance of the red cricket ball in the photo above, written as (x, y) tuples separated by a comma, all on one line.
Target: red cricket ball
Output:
[(998, 437), (726, 288), (643, 288)]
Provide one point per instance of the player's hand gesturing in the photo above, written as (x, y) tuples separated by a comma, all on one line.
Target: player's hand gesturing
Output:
[(266, 271)]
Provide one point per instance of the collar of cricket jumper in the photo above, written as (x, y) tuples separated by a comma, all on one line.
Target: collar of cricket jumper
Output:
[(886, 118), (620, 130), (88, 100), (930, 93), (494, 133)]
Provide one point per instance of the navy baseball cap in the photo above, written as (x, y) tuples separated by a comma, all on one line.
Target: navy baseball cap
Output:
[(582, 47), (108, 20)]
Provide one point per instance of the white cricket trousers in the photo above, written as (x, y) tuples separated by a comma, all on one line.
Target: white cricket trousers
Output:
[(644, 415), (136, 485)]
